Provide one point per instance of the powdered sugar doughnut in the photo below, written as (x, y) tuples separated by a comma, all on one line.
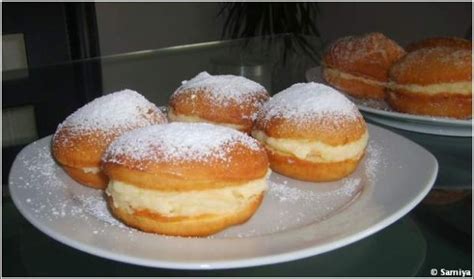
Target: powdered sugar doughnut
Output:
[(81, 139), (312, 132), (187, 179), (358, 65), (433, 81), (226, 100)]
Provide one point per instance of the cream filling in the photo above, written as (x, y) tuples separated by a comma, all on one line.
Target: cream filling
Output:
[(186, 203), (344, 75), (461, 87), (315, 151), (191, 118), (92, 170)]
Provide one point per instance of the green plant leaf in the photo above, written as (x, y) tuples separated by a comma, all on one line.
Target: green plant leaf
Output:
[(247, 20)]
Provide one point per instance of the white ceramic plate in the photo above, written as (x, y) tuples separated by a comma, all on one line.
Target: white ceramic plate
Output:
[(380, 112), (296, 220)]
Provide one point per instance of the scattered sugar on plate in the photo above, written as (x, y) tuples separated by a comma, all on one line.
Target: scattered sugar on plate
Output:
[(374, 162), (96, 206), (58, 197), (291, 205), (285, 193)]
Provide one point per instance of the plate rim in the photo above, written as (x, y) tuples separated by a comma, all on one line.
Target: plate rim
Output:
[(422, 119), (238, 263), (412, 126)]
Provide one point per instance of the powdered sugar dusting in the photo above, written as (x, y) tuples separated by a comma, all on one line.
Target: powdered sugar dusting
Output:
[(291, 204), (222, 88), (372, 48), (177, 142), (96, 206), (285, 193), (305, 101), (122, 110), (419, 67), (59, 199), (374, 161)]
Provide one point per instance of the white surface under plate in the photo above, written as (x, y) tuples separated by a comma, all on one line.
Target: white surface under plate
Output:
[(380, 112), (296, 219)]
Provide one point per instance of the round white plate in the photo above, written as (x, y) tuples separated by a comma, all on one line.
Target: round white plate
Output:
[(296, 219), (380, 112)]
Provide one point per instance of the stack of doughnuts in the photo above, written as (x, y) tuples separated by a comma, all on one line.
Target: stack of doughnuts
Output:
[(81, 139), (359, 65), (226, 100), (185, 179), (312, 132), (433, 78)]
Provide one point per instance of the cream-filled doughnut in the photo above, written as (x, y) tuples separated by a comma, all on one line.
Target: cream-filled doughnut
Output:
[(225, 100), (81, 139), (433, 81), (359, 65), (185, 179), (312, 132)]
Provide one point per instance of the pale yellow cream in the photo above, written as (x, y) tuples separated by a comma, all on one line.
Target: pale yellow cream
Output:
[(91, 170), (462, 87), (188, 203), (315, 151), (191, 118), (336, 73)]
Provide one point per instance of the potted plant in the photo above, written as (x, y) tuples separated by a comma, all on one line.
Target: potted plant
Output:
[(285, 35)]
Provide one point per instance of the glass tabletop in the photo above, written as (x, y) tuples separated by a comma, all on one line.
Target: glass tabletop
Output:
[(436, 234)]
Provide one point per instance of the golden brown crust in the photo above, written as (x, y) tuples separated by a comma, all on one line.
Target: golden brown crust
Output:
[(442, 104), (243, 165), (353, 87), (95, 180), (169, 182), (80, 151), (310, 171), (184, 226), (74, 149), (452, 42), (433, 65), (83, 147), (368, 55), (201, 103), (323, 130)]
